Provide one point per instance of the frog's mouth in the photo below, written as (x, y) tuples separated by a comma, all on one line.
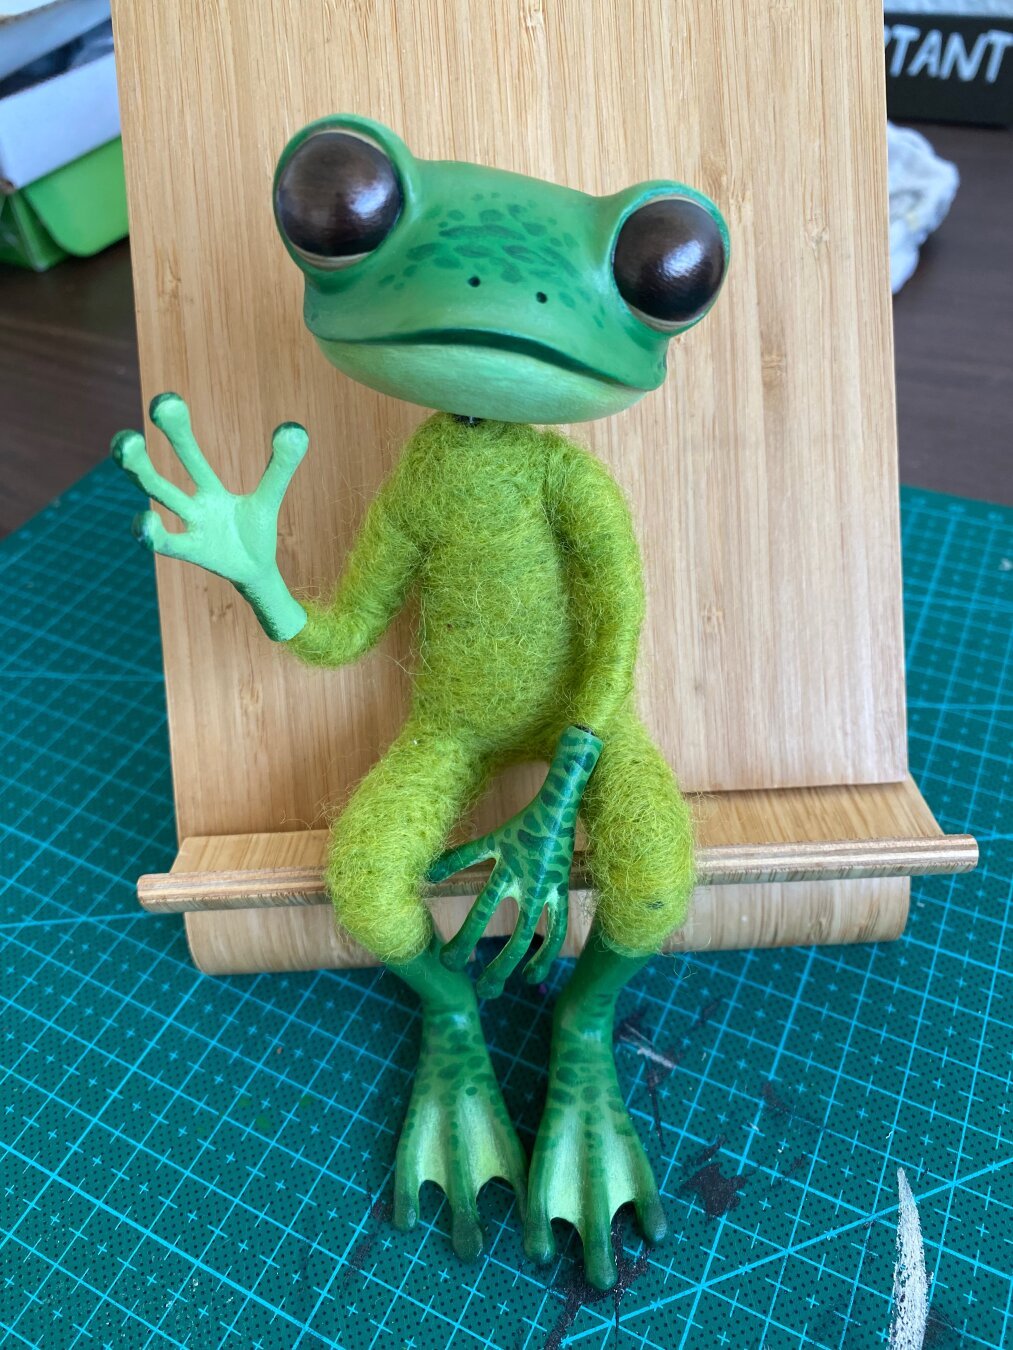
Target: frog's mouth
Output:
[(498, 375), (501, 342)]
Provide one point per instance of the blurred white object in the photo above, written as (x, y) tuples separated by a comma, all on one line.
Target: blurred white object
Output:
[(31, 28), (922, 188)]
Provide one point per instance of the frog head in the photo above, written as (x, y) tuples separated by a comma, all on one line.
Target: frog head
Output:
[(486, 293)]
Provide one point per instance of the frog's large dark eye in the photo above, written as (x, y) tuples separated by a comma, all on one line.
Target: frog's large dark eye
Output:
[(669, 261), (337, 198)]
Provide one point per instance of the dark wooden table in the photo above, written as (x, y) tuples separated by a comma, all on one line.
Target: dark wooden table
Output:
[(68, 375), (68, 361)]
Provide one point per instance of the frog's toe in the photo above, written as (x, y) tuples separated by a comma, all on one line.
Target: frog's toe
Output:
[(167, 406), (515, 1168), (539, 1241), (480, 1151), (126, 447), (599, 1255), (650, 1213), (407, 1184), (466, 1228)]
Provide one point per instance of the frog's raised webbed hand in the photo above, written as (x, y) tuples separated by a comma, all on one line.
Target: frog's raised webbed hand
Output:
[(234, 535), (531, 856)]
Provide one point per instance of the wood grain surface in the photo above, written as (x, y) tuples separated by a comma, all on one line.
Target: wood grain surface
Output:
[(763, 475), (773, 915)]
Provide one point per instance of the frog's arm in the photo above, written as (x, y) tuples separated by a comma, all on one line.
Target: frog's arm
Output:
[(378, 572), (606, 591)]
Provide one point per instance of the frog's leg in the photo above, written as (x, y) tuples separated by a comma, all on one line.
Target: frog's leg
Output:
[(588, 1159), (456, 1131)]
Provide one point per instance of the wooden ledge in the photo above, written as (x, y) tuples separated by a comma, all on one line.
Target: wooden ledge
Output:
[(784, 835), (775, 867), (276, 886)]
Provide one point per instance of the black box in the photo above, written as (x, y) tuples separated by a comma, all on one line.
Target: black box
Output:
[(949, 68)]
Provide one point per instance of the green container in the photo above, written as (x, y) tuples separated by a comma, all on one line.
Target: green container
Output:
[(79, 208)]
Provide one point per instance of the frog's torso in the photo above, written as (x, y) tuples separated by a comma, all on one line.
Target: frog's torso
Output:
[(495, 637)]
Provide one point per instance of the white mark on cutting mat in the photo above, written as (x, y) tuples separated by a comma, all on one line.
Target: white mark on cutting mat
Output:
[(910, 1282)]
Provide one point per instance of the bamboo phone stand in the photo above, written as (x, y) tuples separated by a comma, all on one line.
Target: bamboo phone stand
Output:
[(762, 473)]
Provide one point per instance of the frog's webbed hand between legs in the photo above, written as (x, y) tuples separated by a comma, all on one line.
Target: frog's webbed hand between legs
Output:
[(531, 855), (234, 535)]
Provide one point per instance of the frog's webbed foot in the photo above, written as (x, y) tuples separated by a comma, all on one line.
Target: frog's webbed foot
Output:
[(456, 1131), (588, 1160)]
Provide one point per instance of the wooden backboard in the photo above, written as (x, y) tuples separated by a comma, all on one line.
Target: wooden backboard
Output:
[(762, 474)]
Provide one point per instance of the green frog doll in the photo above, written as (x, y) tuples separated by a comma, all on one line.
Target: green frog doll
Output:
[(501, 301)]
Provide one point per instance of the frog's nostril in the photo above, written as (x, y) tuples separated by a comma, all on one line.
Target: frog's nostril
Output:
[(474, 281), (541, 297)]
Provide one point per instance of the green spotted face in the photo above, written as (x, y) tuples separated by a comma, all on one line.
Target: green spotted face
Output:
[(484, 293)]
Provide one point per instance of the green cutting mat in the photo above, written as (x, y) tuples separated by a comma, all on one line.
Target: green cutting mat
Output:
[(204, 1162)]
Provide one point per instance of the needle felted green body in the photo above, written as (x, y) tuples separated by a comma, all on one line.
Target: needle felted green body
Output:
[(529, 618), (503, 300)]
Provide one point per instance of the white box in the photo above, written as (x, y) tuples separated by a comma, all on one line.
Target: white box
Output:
[(51, 123)]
